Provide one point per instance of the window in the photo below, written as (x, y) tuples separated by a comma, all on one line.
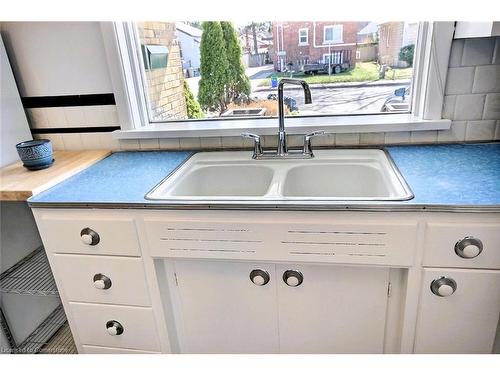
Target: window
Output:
[(303, 36), (333, 34), (176, 97)]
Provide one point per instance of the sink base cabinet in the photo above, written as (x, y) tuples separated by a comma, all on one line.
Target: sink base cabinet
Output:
[(335, 309), (215, 281)]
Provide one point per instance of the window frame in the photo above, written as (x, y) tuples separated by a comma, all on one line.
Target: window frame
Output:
[(430, 69), (306, 43), (333, 42)]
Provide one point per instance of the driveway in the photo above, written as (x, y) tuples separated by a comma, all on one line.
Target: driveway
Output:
[(256, 76)]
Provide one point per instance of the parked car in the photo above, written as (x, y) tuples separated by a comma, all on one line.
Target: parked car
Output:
[(398, 102), (320, 68), (339, 62)]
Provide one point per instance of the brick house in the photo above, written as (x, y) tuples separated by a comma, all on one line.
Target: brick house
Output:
[(306, 42), (393, 36)]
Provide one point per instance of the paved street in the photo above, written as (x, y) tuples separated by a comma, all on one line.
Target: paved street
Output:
[(368, 99), (326, 100)]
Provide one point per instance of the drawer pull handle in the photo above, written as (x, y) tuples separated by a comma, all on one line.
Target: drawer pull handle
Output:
[(293, 278), (259, 277), (89, 236), (114, 328), (469, 247), (443, 287), (102, 281)]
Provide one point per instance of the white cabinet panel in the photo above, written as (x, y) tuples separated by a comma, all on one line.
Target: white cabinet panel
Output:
[(75, 274), (335, 309), (223, 311), (463, 322), (139, 327), (282, 236)]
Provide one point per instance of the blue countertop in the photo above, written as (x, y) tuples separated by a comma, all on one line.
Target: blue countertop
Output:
[(439, 175)]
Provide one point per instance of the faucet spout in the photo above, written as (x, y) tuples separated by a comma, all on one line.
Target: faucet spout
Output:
[(282, 146)]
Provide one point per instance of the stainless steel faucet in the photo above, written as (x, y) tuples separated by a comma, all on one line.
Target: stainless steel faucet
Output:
[(282, 149)]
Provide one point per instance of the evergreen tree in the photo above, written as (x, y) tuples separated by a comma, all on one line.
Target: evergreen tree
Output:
[(213, 69), (192, 106), (237, 82)]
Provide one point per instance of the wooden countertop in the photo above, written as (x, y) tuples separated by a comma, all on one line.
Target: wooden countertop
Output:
[(18, 184)]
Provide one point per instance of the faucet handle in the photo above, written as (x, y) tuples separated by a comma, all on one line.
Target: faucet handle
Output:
[(316, 133), (257, 149), (307, 150)]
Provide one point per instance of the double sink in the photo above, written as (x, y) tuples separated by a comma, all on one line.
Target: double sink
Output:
[(332, 175)]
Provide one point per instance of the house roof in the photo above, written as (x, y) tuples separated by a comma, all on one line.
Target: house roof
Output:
[(188, 29), (371, 28)]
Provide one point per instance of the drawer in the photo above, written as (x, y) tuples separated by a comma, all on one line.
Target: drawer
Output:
[(90, 349), (102, 279), (441, 241), (99, 232), (138, 324)]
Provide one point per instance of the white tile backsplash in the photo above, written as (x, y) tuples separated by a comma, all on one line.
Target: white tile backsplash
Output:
[(75, 117), (37, 118), (492, 107), (347, 139), (459, 80), (483, 130), (429, 136), (149, 144), (456, 133), (478, 51), (91, 141), (449, 106), (72, 141), (469, 107), (190, 143), (55, 117), (372, 138), (397, 137), (487, 79), (169, 144), (210, 142), (457, 50)]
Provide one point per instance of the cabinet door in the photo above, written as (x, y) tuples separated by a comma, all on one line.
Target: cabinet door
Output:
[(223, 311), (335, 309), (463, 322)]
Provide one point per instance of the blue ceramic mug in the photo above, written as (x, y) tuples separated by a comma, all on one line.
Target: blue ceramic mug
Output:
[(36, 154)]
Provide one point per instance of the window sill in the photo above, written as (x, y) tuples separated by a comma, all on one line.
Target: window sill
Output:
[(294, 125)]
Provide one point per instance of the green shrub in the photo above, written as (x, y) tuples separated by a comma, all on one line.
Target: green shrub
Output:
[(192, 106), (406, 54), (213, 68)]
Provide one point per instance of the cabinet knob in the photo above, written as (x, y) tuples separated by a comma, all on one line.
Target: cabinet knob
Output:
[(293, 278), (259, 277), (102, 281), (89, 236), (443, 287), (114, 328), (468, 247)]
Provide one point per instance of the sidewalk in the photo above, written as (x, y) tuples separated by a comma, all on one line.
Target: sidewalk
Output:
[(319, 86)]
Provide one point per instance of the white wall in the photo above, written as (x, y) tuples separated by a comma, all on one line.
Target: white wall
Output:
[(57, 58), (13, 124)]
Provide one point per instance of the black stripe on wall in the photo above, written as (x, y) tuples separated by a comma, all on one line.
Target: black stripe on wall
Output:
[(68, 100), (100, 129)]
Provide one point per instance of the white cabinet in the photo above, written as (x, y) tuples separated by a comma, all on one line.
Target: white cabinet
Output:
[(463, 322), (334, 309)]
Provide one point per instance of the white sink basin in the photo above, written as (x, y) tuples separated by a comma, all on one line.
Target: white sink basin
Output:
[(332, 175)]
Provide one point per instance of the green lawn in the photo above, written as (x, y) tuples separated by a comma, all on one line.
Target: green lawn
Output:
[(363, 72)]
